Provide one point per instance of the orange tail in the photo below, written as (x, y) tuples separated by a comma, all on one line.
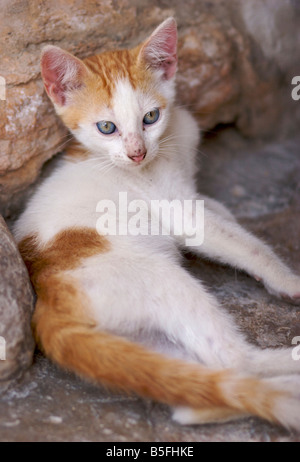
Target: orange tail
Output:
[(70, 339)]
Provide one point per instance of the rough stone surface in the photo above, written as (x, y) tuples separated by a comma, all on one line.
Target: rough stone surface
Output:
[(260, 183), (237, 58), (16, 307)]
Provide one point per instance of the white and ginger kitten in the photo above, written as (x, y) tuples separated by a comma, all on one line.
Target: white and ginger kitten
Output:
[(104, 300)]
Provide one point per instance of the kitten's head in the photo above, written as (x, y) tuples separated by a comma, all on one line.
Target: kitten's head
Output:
[(117, 103)]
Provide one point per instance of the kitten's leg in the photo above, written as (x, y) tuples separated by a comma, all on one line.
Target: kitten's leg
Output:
[(192, 317), (228, 242)]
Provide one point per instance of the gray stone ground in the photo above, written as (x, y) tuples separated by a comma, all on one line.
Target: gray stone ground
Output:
[(261, 184)]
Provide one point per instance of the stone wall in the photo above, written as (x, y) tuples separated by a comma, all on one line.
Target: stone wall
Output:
[(236, 61)]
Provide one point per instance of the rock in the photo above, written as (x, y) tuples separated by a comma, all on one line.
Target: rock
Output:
[(237, 59), (16, 307)]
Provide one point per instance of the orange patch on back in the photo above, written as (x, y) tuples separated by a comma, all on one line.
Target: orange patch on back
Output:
[(66, 251)]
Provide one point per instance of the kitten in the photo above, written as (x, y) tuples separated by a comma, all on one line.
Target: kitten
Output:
[(106, 303)]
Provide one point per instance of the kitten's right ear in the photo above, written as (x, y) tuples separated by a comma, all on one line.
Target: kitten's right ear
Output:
[(61, 72)]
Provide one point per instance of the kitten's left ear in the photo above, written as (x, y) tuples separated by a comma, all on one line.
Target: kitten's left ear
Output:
[(160, 50)]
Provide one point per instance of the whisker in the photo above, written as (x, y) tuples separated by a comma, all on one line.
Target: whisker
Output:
[(61, 146)]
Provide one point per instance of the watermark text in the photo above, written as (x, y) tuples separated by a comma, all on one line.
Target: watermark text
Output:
[(156, 217), (296, 89)]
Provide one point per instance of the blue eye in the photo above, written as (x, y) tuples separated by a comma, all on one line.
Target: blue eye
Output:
[(105, 127), (151, 117)]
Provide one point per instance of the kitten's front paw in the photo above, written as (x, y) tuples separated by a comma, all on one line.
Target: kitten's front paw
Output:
[(288, 289)]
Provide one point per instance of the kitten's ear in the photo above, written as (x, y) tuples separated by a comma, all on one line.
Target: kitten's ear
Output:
[(160, 50), (61, 72)]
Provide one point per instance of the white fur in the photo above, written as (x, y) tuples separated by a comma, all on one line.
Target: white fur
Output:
[(139, 287)]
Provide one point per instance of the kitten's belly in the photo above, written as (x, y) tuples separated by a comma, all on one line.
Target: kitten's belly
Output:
[(123, 283), (121, 290)]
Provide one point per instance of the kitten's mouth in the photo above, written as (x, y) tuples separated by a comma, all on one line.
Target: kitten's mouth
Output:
[(138, 159)]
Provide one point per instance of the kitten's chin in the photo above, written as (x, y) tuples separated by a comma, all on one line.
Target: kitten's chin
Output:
[(131, 166)]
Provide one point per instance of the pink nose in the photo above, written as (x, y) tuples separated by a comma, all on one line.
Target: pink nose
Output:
[(138, 155)]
